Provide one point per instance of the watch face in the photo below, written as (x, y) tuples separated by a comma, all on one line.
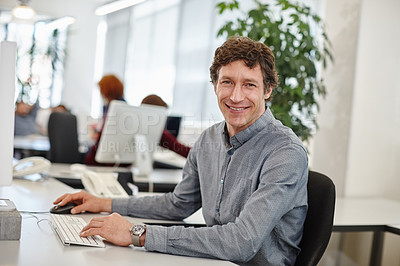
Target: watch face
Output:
[(138, 229)]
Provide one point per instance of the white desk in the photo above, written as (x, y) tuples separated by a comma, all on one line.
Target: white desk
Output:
[(39, 245), (375, 215)]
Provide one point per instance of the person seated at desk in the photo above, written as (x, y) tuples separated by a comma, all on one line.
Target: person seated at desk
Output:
[(168, 140), (111, 88), (25, 119), (248, 174)]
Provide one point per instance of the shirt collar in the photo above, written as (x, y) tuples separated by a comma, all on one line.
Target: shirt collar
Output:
[(240, 138)]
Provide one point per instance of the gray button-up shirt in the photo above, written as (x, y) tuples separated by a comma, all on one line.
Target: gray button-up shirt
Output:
[(253, 192)]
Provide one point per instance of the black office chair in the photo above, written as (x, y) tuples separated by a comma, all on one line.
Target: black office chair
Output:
[(319, 220), (63, 137)]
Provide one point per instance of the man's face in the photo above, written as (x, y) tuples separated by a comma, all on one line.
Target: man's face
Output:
[(240, 93)]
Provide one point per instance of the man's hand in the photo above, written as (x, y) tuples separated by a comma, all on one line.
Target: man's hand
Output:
[(114, 228), (86, 202)]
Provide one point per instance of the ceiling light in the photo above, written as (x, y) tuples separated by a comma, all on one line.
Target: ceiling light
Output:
[(23, 11), (115, 6)]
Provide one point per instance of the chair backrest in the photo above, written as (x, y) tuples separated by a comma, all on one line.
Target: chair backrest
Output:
[(319, 220), (63, 137)]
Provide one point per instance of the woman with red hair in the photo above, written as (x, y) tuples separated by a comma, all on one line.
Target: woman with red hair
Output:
[(111, 88)]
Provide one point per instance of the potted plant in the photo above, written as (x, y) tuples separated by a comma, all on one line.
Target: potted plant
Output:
[(297, 38)]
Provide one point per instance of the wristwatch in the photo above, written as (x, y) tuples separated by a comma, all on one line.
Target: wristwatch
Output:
[(136, 231)]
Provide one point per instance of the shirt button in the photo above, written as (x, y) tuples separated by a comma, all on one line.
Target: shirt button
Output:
[(222, 181), (217, 209)]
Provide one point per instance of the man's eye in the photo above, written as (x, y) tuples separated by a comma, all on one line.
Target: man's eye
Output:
[(226, 82), (250, 85)]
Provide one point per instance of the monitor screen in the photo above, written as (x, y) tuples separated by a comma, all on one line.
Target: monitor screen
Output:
[(124, 126), (7, 107), (173, 125)]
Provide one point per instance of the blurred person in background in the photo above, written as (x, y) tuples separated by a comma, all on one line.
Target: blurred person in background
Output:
[(168, 140), (111, 88), (25, 119)]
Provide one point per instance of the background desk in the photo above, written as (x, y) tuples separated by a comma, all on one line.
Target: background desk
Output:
[(32, 142), (160, 180), (39, 145), (375, 215), (32, 145), (39, 245)]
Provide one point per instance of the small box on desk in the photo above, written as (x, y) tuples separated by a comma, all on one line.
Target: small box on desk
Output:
[(10, 221)]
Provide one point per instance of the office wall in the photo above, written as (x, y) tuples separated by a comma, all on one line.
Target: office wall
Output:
[(374, 150), (79, 72), (358, 143), (330, 144)]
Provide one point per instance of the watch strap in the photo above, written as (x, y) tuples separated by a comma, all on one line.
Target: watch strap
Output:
[(136, 240)]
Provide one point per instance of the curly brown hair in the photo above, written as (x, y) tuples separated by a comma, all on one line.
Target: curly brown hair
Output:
[(252, 53), (111, 87)]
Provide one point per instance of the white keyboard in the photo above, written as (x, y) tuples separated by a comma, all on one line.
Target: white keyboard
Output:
[(68, 228)]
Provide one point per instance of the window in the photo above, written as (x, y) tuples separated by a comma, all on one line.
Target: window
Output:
[(40, 58)]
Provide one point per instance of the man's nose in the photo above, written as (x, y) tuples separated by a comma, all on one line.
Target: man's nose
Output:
[(237, 93)]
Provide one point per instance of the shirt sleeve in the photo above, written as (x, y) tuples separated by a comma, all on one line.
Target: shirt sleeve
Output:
[(282, 186)]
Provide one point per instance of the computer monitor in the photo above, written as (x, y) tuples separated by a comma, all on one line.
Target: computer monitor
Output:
[(129, 131), (173, 125), (8, 52)]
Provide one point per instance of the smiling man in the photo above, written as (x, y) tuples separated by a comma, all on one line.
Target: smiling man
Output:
[(241, 96), (248, 174)]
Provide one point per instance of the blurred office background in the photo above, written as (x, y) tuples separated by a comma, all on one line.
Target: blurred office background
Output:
[(166, 47)]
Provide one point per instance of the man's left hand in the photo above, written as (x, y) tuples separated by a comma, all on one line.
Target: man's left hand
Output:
[(114, 228)]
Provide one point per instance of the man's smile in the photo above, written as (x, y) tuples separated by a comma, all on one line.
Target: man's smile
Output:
[(236, 108)]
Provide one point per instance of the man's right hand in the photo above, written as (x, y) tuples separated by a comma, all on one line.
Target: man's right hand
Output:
[(86, 202)]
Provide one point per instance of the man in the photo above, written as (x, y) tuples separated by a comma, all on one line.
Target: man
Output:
[(25, 119), (248, 173)]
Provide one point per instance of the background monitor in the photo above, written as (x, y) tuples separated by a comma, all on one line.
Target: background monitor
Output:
[(125, 125), (173, 125), (8, 52)]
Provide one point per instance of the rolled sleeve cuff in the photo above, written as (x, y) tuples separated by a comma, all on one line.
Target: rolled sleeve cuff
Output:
[(156, 239)]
